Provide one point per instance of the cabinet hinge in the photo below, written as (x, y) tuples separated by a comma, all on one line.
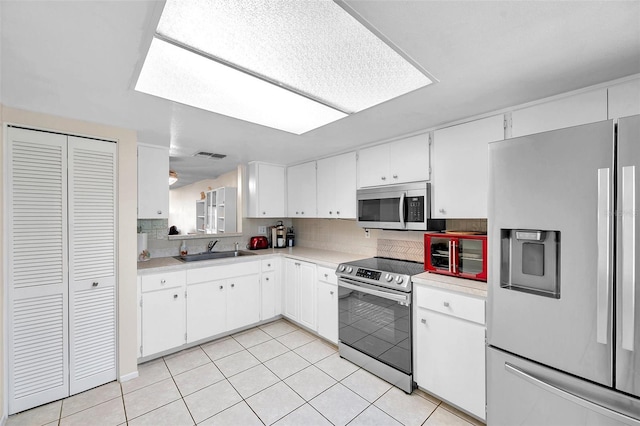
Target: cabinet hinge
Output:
[(430, 138), (140, 350), (140, 302), (185, 337)]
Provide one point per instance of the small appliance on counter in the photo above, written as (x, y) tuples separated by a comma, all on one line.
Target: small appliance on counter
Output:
[(257, 243), (290, 237), (461, 254), (280, 236)]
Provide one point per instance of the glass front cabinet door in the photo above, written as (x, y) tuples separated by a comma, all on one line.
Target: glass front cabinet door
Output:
[(456, 255)]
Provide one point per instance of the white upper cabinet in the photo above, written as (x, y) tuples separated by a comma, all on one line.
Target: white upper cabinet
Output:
[(266, 189), (402, 161), (571, 111), (337, 186), (153, 182), (301, 190), (460, 168), (624, 99)]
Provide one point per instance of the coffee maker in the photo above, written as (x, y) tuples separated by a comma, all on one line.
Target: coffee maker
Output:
[(280, 240)]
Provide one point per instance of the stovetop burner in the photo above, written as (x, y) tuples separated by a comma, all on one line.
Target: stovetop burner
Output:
[(381, 271)]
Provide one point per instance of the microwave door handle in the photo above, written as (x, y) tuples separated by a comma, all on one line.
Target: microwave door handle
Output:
[(401, 210)]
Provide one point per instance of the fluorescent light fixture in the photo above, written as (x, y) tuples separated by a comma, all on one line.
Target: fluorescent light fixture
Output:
[(291, 65)]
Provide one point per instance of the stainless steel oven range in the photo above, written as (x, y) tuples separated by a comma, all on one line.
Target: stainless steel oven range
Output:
[(374, 302)]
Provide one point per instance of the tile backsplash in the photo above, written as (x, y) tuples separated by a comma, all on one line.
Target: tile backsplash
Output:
[(156, 229)]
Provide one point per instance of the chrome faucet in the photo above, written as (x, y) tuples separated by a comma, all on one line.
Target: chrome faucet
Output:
[(211, 245), (236, 246)]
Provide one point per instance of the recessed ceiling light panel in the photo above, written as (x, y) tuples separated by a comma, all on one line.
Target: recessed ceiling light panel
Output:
[(324, 63)]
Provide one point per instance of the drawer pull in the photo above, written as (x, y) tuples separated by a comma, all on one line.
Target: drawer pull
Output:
[(326, 275), (446, 304), (423, 320), (221, 287), (268, 265), (267, 279), (163, 281), (233, 285), (95, 284), (175, 296), (331, 293)]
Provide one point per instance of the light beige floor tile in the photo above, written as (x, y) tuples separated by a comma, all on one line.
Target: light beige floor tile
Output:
[(286, 364), (409, 410), (110, 413), (211, 400), (36, 416), (253, 380), (238, 415), (427, 396), (279, 328), (373, 416), (198, 378), (460, 414), (148, 373), (268, 350), (310, 382), (253, 337), (90, 398), (296, 339), (222, 348), (174, 414), (366, 385), (337, 367), (339, 404), (236, 363), (442, 417), (315, 351), (274, 403), (151, 397), (305, 415), (186, 360)]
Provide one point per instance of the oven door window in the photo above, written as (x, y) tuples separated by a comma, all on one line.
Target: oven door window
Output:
[(379, 210), (378, 327)]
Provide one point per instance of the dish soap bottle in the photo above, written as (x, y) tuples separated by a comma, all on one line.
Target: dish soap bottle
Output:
[(183, 249)]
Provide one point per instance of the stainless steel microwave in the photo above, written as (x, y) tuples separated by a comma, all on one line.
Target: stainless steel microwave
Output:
[(404, 207)]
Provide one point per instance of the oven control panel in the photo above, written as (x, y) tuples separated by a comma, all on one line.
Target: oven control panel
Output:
[(366, 273)]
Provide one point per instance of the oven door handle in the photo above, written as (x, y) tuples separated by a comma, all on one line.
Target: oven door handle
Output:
[(400, 298)]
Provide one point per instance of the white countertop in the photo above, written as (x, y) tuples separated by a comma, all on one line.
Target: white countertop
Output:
[(460, 285), (327, 258)]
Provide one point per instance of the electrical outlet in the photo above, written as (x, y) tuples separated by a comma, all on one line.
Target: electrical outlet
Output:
[(262, 230), (367, 234)]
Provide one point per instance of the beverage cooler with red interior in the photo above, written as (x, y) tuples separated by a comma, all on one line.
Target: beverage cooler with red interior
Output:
[(461, 255)]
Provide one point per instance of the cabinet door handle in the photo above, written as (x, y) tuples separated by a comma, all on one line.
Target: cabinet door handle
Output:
[(95, 284), (383, 178), (233, 285), (297, 212), (268, 265), (221, 287), (395, 176), (331, 293), (338, 212), (330, 212), (163, 281), (264, 212), (446, 304), (267, 279), (423, 320), (326, 275), (175, 296), (159, 211)]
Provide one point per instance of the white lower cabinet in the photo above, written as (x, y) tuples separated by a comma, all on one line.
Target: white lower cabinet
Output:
[(206, 309), (270, 291), (327, 304), (300, 292), (243, 301), (450, 347), (162, 312)]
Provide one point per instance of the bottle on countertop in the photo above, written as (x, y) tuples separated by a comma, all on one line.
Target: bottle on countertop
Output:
[(183, 249)]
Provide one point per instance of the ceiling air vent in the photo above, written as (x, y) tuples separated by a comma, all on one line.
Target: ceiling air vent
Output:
[(209, 155)]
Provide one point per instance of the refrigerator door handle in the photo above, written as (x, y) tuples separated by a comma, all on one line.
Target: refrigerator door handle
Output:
[(570, 396), (628, 255), (604, 250)]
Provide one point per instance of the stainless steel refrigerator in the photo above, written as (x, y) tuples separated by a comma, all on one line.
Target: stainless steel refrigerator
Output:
[(563, 321)]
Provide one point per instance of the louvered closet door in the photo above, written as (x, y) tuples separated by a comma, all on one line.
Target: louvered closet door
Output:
[(37, 286), (92, 263)]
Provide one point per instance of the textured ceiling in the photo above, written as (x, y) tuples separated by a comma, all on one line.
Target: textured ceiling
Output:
[(80, 59)]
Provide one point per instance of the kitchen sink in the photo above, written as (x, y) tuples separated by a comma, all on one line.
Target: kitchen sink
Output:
[(208, 255)]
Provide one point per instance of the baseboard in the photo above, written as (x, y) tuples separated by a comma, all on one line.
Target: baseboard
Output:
[(129, 376)]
